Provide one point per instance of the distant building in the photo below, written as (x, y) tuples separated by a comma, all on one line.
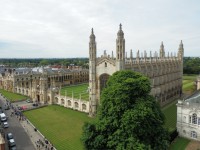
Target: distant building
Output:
[(198, 83), (165, 71), (42, 83), (188, 115)]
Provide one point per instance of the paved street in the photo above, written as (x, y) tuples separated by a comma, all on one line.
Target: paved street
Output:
[(21, 137)]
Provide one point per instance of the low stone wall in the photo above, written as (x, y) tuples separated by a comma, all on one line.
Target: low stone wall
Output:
[(76, 104)]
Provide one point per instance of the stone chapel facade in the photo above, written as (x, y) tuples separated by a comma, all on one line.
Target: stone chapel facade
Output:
[(165, 72)]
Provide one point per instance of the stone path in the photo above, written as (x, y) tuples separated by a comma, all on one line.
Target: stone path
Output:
[(193, 145)]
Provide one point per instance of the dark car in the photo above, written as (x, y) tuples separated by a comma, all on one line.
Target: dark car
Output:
[(9, 136), (13, 148), (11, 143), (7, 107), (1, 111), (35, 104)]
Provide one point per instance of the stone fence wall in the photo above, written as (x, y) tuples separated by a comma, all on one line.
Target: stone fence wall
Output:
[(76, 104)]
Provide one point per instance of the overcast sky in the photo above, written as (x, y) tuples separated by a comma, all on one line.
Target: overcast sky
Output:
[(61, 28)]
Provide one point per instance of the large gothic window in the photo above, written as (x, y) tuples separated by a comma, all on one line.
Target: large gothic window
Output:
[(194, 118), (103, 80)]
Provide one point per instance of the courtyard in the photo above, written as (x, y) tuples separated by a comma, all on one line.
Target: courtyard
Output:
[(76, 91)]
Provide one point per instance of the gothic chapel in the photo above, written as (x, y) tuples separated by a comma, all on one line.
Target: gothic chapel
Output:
[(165, 72)]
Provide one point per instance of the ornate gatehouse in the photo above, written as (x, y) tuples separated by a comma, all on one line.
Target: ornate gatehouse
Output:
[(165, 72)]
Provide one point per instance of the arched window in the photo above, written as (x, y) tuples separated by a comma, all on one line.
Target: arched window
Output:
[(105, 64), (69, 103), (193, 134), (194, 118), (83, 107), (184, 131), (184, 119), (76, 105)]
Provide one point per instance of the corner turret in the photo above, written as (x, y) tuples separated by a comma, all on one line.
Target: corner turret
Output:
[(181, 51), (120, 49), (92, 75)]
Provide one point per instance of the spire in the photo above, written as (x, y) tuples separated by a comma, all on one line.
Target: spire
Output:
[(131, 54), (120, 32), (181, 51), (92, 31), (150, 56), (162, 51), (112, 55), (120, 26), (92, 36)]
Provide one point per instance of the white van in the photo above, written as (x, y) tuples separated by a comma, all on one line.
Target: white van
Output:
[(3, 117)]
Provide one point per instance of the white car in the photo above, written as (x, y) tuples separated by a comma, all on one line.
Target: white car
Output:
[(5, 124)]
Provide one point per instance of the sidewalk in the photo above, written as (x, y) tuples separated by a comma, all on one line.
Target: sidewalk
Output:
[(36, 137)]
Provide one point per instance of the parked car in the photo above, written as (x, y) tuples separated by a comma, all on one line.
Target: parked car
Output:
[(13, 148), (35, 104), (3, 117), (11, 143), (5, 124), (19, 108), (9, 136), (7, 107), (29, 101)]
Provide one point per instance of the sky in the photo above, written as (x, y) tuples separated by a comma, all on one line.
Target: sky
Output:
[(61, 28)]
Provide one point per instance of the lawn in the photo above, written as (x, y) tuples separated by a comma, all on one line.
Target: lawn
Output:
[(170, 112), (12, 96), (179, 144), (77, 90), (61, 126), (188, 83)]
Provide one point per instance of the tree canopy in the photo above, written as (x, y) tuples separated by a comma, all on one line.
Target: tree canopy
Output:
[(128, 117)]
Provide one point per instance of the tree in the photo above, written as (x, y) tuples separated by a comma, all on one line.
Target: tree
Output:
[(44, 62), (128, 117)]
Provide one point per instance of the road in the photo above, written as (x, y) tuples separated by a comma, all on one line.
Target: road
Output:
[(22, 139)]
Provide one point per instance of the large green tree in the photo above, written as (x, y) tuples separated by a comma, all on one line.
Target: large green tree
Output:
[(128, 117)]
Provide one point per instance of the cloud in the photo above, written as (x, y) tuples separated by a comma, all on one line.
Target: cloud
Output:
[(51, 28)]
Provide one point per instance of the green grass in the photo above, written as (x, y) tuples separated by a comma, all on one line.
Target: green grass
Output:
[(81, 89), (179, 144), (12, 96), (61, 126), (188, 83), (170, 112)]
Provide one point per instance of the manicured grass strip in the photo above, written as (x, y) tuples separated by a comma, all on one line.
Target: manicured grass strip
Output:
[(61, 126), (188, 83), (190, 77), (188, 86), (170, 112), (78, 91), (12, 96), (179, 144)]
